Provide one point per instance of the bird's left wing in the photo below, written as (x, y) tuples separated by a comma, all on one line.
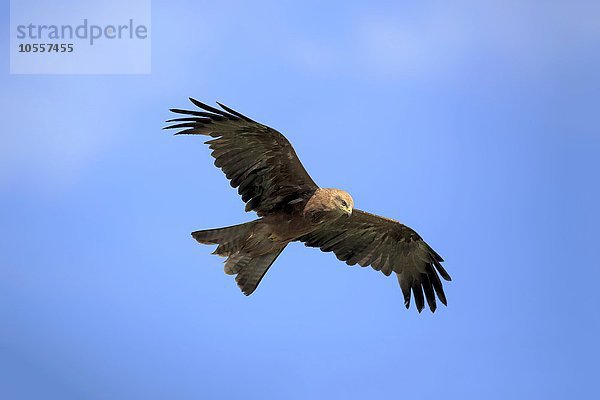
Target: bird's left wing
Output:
[(388, 246), (259, 161)]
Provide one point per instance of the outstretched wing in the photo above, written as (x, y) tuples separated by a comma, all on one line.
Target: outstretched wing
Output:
[(258, 160), (387, 246)]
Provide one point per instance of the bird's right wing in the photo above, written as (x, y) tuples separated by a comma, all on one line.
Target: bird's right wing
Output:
[(387, 246), (259, 161)]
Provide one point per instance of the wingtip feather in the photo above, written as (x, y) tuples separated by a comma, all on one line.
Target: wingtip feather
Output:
[(232, 111), (206, 107)]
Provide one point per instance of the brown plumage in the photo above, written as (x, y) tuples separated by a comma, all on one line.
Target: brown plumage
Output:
[(263, 166)]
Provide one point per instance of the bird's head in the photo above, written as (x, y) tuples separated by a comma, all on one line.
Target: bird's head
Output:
[(344, 202), (329, 204)]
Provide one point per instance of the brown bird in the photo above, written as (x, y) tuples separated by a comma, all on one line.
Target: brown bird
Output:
[(263, 166)]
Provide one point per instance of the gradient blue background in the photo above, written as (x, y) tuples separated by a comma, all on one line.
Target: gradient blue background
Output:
[(476, 124)]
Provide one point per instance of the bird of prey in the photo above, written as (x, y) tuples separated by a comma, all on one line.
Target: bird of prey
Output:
[(261, 163)]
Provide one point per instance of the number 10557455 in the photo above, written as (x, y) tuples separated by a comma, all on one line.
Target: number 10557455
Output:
[(45, 47)]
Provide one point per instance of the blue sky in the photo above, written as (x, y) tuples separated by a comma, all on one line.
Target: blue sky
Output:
[(476, 124)]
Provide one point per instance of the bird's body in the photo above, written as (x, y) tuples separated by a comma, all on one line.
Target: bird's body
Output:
[(262, 164), (307, 214), (270, 234)]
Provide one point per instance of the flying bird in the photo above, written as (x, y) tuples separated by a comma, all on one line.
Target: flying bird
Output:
[(261, 163)]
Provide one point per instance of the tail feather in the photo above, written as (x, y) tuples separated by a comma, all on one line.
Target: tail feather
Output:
[(235, 263), (250, 270), (230, 239), (235, 243)]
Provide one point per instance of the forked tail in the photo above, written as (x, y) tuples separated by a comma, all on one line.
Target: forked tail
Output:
[(231, 241)]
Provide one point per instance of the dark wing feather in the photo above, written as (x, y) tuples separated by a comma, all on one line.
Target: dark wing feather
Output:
[(388, 246), (259, 161)]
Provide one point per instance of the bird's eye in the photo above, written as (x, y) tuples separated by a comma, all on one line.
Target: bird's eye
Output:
[(344, 204)]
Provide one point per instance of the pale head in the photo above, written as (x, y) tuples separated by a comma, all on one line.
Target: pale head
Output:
[(329, 204)]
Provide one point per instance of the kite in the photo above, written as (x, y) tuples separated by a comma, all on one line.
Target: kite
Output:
[(261, 163)]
